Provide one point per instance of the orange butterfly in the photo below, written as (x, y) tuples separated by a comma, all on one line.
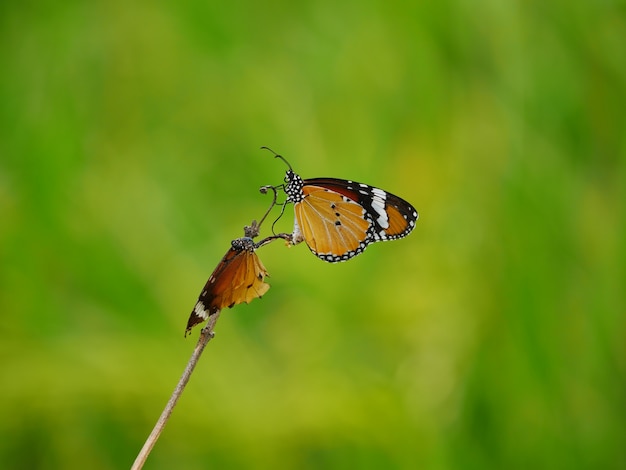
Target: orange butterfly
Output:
[(238, 278), (338, 219)]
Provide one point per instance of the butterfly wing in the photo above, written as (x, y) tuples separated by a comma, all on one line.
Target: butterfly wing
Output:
[(239, 277), (334, 226), (246, 282), (392, 217)]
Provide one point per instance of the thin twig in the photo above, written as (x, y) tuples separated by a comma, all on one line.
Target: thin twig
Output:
[(251, 231), (206, 335)]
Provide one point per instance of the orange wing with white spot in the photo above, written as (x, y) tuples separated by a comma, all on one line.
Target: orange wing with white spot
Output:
[(239, 277)]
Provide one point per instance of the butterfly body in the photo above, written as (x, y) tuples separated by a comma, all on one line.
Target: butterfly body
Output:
[(338, 218), (239, 277)]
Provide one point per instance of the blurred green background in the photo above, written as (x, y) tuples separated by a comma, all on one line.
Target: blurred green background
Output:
[(492, 337)]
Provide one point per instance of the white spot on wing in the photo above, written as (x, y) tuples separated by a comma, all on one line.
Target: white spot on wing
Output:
[(379, 198), (200, 310)]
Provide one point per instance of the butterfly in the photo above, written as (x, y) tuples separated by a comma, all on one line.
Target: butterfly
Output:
[(239, 277), (338, 218)]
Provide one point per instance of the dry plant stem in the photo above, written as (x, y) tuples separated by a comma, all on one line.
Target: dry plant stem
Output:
[(205, 336)]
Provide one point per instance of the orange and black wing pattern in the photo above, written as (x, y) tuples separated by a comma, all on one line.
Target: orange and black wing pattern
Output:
[(239, 277), (338, 218), (330, 223)]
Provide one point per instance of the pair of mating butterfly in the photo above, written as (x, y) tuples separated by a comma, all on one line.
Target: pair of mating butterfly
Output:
[(336, 218)]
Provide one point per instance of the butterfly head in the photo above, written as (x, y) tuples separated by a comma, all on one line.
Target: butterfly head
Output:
[(244, 243), (293, 183), (293, 186)]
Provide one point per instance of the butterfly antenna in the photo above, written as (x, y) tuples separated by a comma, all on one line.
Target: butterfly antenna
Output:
[(278, 156)]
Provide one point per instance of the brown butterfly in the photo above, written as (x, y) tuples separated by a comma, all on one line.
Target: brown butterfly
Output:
[(238, 278)]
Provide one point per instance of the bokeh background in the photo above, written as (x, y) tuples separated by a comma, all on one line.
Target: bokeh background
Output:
[(492, 337)]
